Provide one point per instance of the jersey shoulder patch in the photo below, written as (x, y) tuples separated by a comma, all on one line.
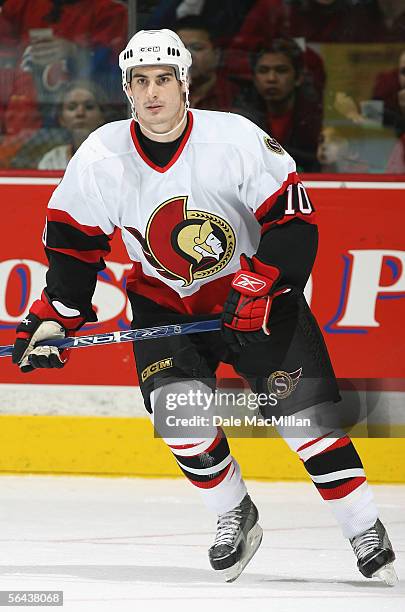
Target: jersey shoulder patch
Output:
[(274, 146)]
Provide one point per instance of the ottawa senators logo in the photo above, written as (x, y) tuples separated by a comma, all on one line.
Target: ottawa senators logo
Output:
[(283, 383), (273, 145), (185, 244)]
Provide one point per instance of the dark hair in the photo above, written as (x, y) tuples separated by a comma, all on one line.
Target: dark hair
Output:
[(193, 22), (286, 46)]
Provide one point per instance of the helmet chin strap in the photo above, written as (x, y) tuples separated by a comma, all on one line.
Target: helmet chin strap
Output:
[(161, 133)]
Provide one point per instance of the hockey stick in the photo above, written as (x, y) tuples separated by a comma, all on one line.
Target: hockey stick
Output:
[(130, 335)]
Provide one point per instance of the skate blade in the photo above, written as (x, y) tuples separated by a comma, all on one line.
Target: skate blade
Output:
[(387, 574), (253, 542)]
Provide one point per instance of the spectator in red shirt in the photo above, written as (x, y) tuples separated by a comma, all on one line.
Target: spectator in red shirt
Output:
[(278, 102), (313, 20), (73, 22), (267, 20), (345, 21), (64, 39), (210, 89), (17, 98), (324, 20)]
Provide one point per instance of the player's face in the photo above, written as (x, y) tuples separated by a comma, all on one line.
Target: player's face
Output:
[(158, 97), (205, 57), (80, 111), (401, 71), (275, 77)]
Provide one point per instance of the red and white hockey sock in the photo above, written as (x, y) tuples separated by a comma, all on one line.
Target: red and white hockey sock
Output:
[(336, 470), (206, 461), (209, 466)]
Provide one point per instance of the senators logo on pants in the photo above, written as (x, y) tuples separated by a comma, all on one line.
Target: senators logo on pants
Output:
[(283, 383), (186, 244)]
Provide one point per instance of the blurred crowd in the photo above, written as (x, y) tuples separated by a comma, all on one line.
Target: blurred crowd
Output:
[(326, 78)]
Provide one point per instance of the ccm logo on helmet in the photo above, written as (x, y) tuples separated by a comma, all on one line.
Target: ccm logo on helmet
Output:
[(154, 49)]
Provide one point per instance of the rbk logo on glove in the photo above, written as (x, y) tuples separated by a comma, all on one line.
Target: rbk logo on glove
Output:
[(248, 284), (247, 308)]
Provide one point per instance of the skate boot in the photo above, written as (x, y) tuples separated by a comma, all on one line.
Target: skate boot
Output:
[(374, 552), (238, 537)]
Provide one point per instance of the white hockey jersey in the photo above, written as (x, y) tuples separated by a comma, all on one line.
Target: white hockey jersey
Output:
[(185, 225)]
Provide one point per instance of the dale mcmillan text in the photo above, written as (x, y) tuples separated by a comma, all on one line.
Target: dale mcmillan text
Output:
[(231, 421), (259, 421)]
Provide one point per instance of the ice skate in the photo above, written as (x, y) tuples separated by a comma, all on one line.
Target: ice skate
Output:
[(375, 555), (238, 537)]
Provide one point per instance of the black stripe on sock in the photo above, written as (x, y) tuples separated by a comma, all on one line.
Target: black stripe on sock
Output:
[(341, 458)]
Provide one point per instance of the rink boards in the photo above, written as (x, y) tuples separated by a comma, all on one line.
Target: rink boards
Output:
[(357, 292), (126, 446)]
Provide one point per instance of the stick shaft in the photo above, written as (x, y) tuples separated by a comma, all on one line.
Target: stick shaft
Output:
[(131, 335)]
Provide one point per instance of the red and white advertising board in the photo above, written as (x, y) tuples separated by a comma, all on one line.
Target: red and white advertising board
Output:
[(357, 290)]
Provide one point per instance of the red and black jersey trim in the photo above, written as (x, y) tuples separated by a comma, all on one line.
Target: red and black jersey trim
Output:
[(65, 235), (334, 458), (273, 209), (274, 206)]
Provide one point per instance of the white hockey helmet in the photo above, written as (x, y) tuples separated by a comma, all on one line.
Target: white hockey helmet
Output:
[(154, 48)]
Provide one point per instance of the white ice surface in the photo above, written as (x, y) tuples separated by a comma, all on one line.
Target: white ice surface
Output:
[(141, 545)]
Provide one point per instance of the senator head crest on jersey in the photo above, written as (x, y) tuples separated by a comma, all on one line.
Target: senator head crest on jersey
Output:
[(186, 244)]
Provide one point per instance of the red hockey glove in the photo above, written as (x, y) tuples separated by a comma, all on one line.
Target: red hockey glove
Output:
[(247, 308), (46, 320)]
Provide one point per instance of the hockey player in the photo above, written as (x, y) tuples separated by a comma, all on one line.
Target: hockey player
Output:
[(216, 223)]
